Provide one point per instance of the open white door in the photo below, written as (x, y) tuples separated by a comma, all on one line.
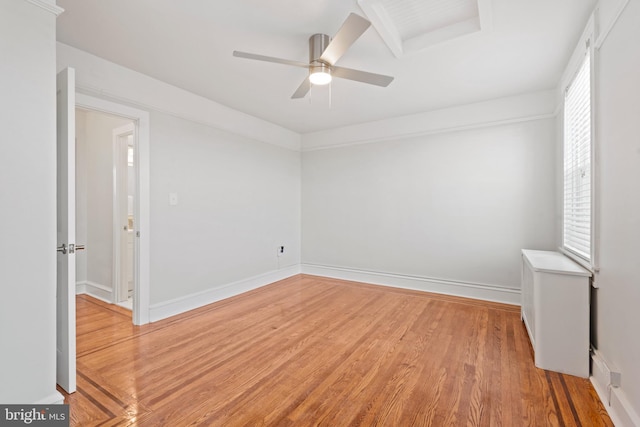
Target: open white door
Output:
[(123, 215), (66, 219)]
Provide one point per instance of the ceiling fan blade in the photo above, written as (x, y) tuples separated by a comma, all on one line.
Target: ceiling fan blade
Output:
[(350, 31), (302, 90), (361, 76), (269, 59)]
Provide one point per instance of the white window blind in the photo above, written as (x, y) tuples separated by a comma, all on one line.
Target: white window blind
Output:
[(577, 163)]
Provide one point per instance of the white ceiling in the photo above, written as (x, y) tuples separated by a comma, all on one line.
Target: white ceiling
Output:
[(189, 44)]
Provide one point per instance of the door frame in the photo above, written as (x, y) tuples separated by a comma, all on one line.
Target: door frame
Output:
[(120, 211), (141, 208)]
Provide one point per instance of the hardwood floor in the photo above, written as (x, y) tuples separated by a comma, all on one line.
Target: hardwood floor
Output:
[(316, 351)]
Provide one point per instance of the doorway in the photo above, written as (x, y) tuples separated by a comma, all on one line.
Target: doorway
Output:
[(139, 235), (124, 199), (105, 197), (67, 101)]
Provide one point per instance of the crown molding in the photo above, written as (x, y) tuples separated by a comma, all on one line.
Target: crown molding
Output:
[(48, 6), (497, 112), (106, 80)]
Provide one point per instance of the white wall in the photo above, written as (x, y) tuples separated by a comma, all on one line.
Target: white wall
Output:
[(456, 206), (617, 119), (28, 206), (238, 184), (237, 201)]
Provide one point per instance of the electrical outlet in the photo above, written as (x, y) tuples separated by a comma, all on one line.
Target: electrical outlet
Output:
[(280, 250)]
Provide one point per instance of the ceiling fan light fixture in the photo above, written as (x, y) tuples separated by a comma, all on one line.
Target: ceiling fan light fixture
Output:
[(320, 75), (324, 51)]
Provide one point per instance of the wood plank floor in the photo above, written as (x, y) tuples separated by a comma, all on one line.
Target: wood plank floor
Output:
[(315, 351)]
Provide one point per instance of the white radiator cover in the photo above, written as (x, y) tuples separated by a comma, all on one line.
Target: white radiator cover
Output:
[(555, 310)]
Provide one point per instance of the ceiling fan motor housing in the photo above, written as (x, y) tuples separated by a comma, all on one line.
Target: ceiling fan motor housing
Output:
[(317, 44)]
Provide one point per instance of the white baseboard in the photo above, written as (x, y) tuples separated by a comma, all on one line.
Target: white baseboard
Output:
[(189, 302), (53, 399), (96, 290), (613, 398), (426, 284)]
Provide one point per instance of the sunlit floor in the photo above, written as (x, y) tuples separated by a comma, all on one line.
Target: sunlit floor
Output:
[(310, 351)]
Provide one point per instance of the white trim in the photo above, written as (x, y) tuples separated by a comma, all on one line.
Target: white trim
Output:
[(96, 290), (604, 30), (81, 288), (409, 135), (479, 291), (576, 59), (56, 398), (48, 6), (142, 206), (119, 192), (503, 111), (613, 399), (573, 66), (185, 115), (579, 260), (595, 168), (183, 304), (99, 77)]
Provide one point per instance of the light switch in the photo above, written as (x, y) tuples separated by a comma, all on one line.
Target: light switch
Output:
[(173, 199)]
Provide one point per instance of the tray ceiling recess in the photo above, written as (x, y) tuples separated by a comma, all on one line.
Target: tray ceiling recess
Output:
[(411, 25)]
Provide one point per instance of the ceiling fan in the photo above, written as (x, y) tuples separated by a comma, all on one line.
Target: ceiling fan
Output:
[(324, 52)]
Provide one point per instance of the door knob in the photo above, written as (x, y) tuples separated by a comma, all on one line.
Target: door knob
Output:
[(73, 248)]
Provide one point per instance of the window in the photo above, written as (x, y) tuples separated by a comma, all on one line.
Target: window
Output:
[(577, 224)]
